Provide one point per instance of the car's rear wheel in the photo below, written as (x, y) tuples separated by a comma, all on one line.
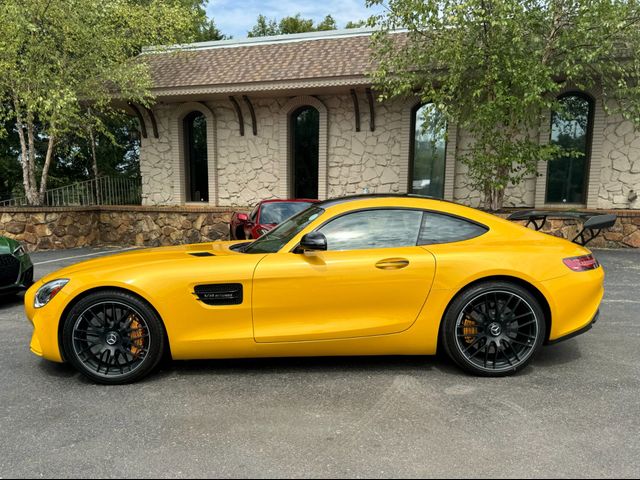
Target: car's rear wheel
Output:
[(493, 329), (113, 337)]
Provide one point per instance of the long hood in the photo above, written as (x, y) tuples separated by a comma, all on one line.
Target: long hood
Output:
[(145, 258)]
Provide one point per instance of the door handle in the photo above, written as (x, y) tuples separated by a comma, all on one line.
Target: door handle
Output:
[(392, 263)]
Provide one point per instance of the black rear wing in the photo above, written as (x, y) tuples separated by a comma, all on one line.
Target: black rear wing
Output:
[(592, 225)]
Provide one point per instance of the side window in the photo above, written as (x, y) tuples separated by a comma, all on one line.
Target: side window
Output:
[(370, 229), (254, 214), (437, 228)]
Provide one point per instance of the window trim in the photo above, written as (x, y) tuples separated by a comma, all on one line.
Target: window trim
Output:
[(589, 149), (292, 148), (423, 210), (187, 136), (412, 150)]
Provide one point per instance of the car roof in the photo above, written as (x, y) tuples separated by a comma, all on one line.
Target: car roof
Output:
[(372, 196), (288, 200)]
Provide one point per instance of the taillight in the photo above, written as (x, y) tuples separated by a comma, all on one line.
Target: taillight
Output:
[(580, 264)]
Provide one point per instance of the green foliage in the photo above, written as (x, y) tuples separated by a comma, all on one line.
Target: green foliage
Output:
[(264, 28), (495, 67), (296, 24), (58, 57), (357, 24), (10, 174)]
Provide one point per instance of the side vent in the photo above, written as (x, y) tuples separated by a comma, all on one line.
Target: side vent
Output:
[(202, 254), (220, 294)]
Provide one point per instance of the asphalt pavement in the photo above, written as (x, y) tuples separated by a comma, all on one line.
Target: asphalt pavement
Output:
[(574, 412)]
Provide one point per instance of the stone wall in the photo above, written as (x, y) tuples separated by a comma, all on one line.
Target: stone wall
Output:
[(620, 172), (248, 168), (364, 160), (624, 234), (60, 227)]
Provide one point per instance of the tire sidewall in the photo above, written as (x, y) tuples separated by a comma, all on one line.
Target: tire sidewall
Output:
[(156, 332), (448, 338)]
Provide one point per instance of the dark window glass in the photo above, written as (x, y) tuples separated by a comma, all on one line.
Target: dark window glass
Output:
[(274, 240), (437, 228), (373, 229), (277, 212), (428, 152), (305, 140), (571, 130), (197, 171)]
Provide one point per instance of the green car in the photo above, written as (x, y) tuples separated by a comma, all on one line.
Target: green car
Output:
[(16, 269)]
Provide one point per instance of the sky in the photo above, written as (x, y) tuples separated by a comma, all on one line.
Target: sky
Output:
[(237, 17)]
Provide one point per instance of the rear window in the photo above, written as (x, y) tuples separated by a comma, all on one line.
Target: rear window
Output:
[(438, 228)]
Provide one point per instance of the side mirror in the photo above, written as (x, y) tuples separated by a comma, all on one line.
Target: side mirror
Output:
[(243, 217), (312, 242)]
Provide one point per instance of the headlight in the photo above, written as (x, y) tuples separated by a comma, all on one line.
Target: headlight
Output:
[(49, 290), (19, 252)]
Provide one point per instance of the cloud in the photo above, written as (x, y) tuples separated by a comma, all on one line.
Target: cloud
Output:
[(236, 18)]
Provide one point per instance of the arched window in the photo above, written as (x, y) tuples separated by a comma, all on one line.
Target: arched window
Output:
[(427, 154), (196, 159), (305, 142), (571, 129)]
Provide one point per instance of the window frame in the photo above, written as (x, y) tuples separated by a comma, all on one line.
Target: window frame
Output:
[(187, 142), (291, 120), (589, 147), (412, 150), (424, 212)]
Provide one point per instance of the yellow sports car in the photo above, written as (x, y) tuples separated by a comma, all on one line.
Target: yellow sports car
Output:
[(364, 275)]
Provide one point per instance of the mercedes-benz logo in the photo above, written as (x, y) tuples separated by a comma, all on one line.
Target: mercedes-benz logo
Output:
[(112, 338), (495, 329)]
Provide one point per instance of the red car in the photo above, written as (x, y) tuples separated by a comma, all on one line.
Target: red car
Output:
[(266, 215)]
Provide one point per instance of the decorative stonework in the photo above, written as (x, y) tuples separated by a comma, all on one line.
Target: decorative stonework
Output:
[(246, 169), (364, 161), (620, 173), (59, 228)]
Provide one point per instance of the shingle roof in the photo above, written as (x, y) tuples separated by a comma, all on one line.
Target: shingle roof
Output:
[(273, 59)]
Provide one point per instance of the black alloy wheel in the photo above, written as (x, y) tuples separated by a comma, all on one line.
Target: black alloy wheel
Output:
[(494, 329), (113, 338)]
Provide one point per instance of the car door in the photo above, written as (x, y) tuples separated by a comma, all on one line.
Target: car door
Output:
[(372, 280)]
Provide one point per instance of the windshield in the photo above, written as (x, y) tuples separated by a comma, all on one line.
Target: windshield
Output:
[(278, 211), (273, 241)]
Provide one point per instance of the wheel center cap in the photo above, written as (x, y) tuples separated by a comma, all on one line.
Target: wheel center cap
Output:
[(112, 338), (495, 329)]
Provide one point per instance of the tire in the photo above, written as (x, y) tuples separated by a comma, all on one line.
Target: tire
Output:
[(113, 337), (493, 329)]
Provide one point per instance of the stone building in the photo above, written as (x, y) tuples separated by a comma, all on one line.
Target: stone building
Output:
[(237, 121)]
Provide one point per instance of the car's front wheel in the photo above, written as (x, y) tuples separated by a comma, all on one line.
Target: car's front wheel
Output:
[(493, 329), (113, 337)]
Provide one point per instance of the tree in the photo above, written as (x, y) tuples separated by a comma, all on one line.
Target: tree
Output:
[(495, 67), (264, 28), (288, 25), (10, 174), (58, 57), (328, 23), (357, 24)]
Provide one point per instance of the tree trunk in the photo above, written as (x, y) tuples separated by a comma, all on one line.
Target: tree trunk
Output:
[(94, 158), (45, 169)]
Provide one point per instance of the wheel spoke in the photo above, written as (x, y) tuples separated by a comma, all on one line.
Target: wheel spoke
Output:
[(489, 335), (111, 321)]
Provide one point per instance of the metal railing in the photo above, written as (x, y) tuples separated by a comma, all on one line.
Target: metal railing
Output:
[(100, 191)]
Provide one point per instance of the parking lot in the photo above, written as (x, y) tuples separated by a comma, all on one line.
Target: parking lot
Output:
[(574, 412)]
